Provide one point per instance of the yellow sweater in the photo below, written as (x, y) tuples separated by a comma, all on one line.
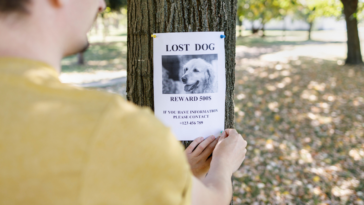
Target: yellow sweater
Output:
[(63, 145)]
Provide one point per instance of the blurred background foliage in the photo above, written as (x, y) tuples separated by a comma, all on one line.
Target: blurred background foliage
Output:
[(307, 10), (116, 5)]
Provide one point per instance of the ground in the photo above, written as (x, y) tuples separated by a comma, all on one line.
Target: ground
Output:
[(300, 109), (301, 112)]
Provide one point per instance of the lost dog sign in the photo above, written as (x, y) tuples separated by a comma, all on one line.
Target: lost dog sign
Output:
[(189, 83)]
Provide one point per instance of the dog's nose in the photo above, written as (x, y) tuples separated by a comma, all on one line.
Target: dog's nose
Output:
[(184, 80)]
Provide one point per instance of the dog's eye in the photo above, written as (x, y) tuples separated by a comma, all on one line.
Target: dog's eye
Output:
[(195, 70), (186, 69)]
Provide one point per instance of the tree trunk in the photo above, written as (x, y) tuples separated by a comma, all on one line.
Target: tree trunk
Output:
[(354, 53), (263, 23), (263, 30), (105, 28), (254, 30), (146, 17), (284, 27), (80, 59), (240, 27), (309, 30)]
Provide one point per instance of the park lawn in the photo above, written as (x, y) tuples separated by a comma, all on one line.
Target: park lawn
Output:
[(303, 120), (109, 56)]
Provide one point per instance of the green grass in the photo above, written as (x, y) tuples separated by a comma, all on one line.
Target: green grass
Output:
[(100, 56), (280, 38), (112, 55)]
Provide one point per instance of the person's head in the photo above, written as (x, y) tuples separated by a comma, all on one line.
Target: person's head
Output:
[(60, 23)]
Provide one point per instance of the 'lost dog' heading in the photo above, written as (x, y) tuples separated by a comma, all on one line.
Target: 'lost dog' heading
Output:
[(185, 47)]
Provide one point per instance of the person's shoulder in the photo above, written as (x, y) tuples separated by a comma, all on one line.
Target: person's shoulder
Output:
[(115, 111), (87, 100), (135, 120), (82, 94), (122, 121)]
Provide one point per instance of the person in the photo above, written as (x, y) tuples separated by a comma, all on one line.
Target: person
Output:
[(64, 145)]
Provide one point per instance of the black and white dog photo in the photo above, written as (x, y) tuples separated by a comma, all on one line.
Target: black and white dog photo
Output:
[(189, 74)]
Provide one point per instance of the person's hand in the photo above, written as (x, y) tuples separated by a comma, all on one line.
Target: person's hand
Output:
[(198, 155), (230, 151)]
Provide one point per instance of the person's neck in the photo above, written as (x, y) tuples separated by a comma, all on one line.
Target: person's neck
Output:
[(20, 41)]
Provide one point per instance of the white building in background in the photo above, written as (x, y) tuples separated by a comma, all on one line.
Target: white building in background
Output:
[(323, 23)]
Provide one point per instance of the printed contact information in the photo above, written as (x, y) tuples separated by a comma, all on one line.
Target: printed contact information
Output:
[(191, 123)]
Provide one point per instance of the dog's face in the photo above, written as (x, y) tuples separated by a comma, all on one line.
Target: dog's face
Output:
[(196, 75)]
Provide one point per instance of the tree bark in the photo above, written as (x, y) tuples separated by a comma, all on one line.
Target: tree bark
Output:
[(353, 44), (146, 17), (309, 30)]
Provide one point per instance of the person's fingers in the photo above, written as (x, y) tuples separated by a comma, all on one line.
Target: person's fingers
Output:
[(201, 147), (209, 149), (192, 146), (231, 132), (244, 153), (245, 142), (230, 138), (218, 139), (242, 141), (224, 134), (208, 161)]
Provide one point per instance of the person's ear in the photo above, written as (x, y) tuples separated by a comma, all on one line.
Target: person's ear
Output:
[(58, 3), (102, 5)]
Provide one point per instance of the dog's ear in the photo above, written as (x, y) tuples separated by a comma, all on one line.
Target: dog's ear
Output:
[(209, 80), (210, 73)]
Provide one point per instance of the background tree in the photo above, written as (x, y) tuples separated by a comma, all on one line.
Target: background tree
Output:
[(309, 10), (262, 10), (239, 23), (250, 10), (116, 5), (80, 59), (305, 12), (112, 6), (353, 44), (146, 17), (286, 7), (269, 10)]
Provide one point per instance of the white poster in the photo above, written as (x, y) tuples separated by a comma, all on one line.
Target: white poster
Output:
[(189, 83)]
